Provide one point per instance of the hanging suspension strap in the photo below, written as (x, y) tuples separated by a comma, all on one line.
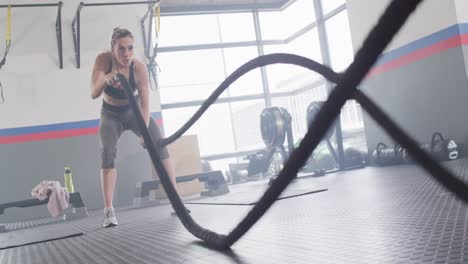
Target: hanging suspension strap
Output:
[(8, 40), (7, 48), (157, 15), (153, 66)]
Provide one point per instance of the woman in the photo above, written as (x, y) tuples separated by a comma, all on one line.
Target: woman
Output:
[(116, 114)]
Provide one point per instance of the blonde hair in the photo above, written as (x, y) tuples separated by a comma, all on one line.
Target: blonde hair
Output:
[(119, 33)]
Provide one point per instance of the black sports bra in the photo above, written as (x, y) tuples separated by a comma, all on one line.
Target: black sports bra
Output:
[(119, 93)]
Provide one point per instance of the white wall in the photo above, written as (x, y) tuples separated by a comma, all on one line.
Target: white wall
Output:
[(431, 16), (462, 10), (404, 91), (35, 89), (461, 7)]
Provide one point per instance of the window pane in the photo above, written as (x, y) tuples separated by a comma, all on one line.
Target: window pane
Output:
[(237, 27), (330, 5), (299, 14), (189, 75), (183, 79), (282, 77), (251, 82), (339, 41), (190, 67), (213, 129), (172, 94), (246, 123), (297, 106), (281, 24), (351, 116), (307, 45), (188, 30), (270, 26)]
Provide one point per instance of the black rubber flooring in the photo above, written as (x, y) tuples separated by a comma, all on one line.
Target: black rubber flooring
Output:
[(373, 215)]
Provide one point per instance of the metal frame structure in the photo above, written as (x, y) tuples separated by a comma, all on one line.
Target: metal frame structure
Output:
[(76, 26), (58, 24)]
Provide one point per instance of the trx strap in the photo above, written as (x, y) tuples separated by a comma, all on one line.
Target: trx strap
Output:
[(157, 15), (153, 66), (8, 40), (7, 48)]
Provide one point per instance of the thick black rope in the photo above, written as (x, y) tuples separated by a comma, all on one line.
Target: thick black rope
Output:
[(438, 172), (213, 239), (388, 25)]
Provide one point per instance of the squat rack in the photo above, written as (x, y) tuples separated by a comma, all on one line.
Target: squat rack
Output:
[(58, 23), (151, 57), (76, 21)]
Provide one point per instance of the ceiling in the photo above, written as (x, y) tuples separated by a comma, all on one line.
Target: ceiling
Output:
[(204, 6)]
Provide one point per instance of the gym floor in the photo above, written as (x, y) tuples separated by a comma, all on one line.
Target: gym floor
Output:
[(392, 214)]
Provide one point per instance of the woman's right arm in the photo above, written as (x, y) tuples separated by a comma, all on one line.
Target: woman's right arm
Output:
[(99, 77)]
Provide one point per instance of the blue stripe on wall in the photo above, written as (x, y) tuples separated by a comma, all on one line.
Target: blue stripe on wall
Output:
[(57, 127)]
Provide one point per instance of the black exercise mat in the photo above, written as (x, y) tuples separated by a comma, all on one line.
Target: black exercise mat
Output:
[(36, 235), (249, 193), (19, 225)]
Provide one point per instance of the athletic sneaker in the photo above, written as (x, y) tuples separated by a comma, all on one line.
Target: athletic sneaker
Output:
[(109, 218)]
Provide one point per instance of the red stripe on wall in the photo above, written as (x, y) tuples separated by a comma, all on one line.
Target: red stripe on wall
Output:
[(48, 135), (55, 134), (420, 54), (159, 122)]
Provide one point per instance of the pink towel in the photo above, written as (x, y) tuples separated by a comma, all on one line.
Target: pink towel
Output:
[(58, 196)]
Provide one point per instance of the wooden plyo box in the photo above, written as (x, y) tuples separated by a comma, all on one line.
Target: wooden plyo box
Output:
[(185, 157)]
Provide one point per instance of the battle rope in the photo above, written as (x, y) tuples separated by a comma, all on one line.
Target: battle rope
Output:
[(389, 24)]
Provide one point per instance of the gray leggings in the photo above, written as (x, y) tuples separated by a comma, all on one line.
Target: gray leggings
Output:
[(114, 121)]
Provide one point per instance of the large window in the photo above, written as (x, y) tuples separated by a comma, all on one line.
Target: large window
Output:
[(236, 27), (341, 55), (297, 105), (330, 5), (283, 77), (246, 123), (188, 30), (339, 41), (189, 74), (250, 83), (213, 129), (282, 24)]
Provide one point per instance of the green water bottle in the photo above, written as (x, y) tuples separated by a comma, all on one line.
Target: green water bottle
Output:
[(68, 180)]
